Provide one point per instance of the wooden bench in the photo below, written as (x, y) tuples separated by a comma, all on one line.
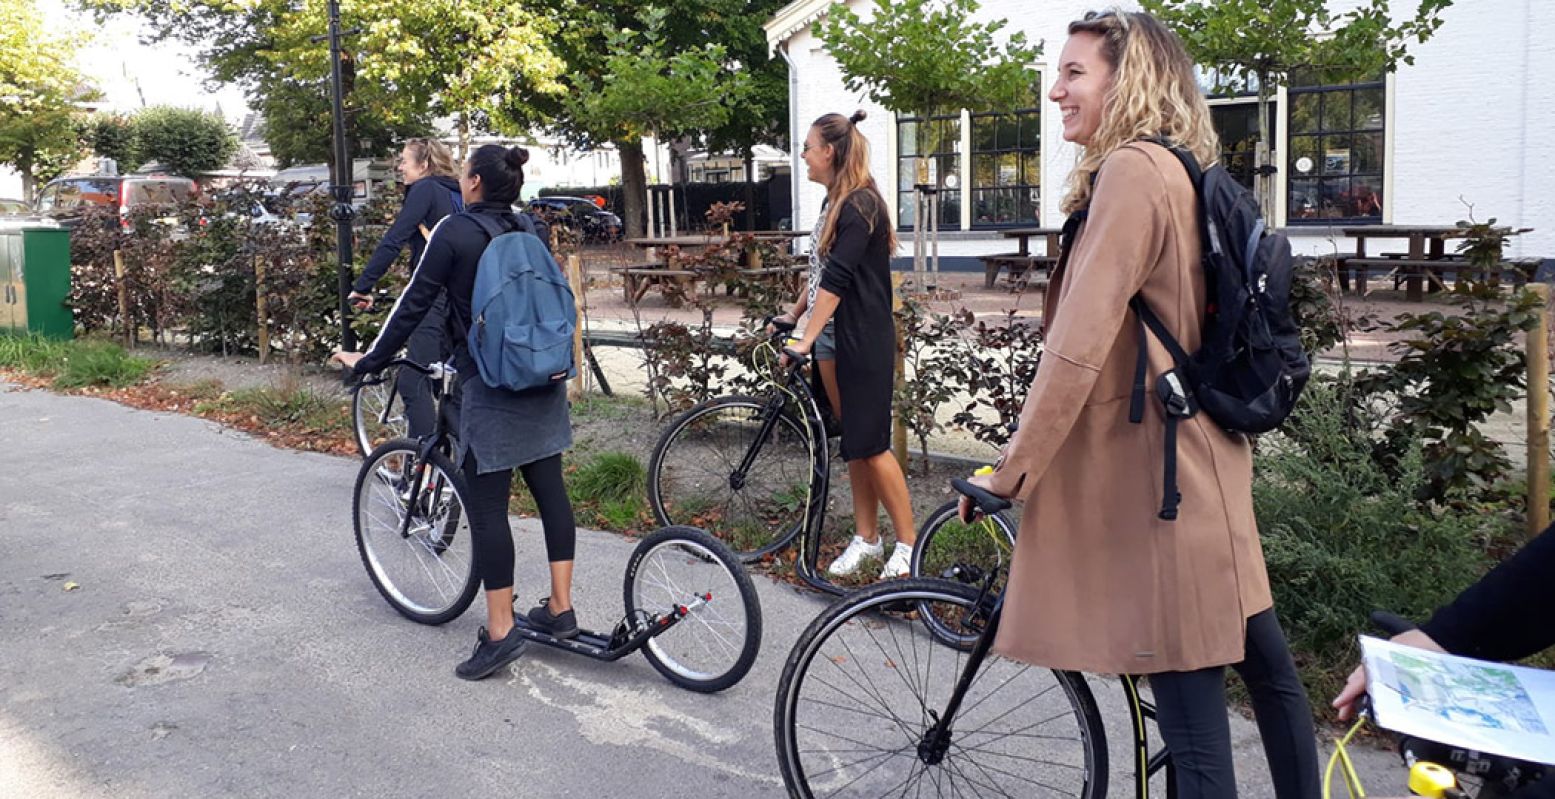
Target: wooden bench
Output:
[(637, 279), (1416, 269), (1019, 266)]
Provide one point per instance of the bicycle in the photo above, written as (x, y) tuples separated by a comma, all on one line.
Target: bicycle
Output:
[(689, 605), (755, 471), (955, 735), (1437, 770)]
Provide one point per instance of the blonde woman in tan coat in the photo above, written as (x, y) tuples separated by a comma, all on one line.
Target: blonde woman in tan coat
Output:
[(1099, 582)]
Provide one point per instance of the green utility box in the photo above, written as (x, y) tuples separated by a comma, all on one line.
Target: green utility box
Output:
[(35, 281)]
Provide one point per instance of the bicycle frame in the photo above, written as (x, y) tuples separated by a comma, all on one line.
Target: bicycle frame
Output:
[(443, 377), (795, 389)]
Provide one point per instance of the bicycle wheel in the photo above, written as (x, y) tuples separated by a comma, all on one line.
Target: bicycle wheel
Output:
[(378, 412), (694, 476), (951, 549), (426, 570), (714, 646), (864, 686)]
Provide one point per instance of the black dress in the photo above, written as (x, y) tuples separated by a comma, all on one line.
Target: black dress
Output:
[(858, 270)]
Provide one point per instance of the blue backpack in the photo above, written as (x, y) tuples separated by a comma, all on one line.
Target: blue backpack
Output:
[(522, 312)]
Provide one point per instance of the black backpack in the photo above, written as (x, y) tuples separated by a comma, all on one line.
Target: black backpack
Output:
[(1250, 367)]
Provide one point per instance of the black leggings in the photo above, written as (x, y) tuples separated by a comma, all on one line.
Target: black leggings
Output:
[(487, 506), (1191, 711)]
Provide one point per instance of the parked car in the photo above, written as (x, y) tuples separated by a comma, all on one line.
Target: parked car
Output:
[(64, 198), (14, 208), (595, 224)]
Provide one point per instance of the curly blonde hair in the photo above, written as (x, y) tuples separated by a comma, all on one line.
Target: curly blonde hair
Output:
[(1154, 94)]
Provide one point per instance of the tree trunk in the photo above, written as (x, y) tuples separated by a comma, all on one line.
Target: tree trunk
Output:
[(750, 189), (634, 186), (464, 136), (28, 184), (1263, 184)]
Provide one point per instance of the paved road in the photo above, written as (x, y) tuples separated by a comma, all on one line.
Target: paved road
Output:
[(224, 641)]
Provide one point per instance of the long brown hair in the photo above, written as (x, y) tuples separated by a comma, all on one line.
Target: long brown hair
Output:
[(851, 181), (1154, 93), (435, 154)]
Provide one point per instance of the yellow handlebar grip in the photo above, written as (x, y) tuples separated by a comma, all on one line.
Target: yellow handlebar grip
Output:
[(1431, 780), (983, 471)]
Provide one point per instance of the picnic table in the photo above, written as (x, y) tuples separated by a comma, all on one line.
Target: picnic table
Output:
[(676, 283), (1426, 257), (1021, 263)]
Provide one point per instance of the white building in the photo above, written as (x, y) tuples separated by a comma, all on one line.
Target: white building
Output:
[(1470, 120)]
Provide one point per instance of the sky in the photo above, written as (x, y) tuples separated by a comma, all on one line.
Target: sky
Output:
[(132, 75)]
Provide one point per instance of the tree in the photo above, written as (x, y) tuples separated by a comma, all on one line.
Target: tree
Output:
[(648, 86), (113, 136), (40, 119), (1258, 44), (760, 114), (186, 141), (412, 61), (926, 58)]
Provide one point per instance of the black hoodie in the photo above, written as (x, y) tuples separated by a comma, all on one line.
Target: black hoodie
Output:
[(427, 201)]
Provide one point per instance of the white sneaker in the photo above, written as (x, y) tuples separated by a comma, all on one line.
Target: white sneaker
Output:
[(858, 549), (900, 562)]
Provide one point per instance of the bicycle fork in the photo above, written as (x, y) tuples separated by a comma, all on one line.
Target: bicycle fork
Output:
[(936, 740)]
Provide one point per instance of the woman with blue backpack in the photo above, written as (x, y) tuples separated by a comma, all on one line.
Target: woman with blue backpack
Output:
[(498, 429), (1116, 570), (431, 193)]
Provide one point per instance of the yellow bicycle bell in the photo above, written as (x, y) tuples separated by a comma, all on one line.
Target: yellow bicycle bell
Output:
[(1431, 780)]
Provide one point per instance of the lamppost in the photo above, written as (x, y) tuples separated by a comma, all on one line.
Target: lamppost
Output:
[(341, 211)]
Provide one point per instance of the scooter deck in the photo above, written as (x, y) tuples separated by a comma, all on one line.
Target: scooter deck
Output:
[(587, 642)]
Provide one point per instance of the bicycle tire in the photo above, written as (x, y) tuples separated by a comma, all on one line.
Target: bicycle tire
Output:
[(691, 476), (440, 548), (950, 549), (368, 403), (813, 656), (714, 570)]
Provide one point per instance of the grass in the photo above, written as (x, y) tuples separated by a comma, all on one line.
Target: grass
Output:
[(609, 477), (74, 364), (296, 408), (608, 491)]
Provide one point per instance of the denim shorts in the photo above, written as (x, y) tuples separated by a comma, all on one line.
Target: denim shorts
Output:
[(825, 348)]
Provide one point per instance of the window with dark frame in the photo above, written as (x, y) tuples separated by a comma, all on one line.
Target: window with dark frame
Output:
[(1237, 125), (940, 166), (1335, 160), (1007, 168)]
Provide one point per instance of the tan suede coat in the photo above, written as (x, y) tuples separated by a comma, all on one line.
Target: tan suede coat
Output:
[(1099, 583)]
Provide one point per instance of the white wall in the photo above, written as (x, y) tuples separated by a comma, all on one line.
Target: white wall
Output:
[(11, 185), (1473, 117)]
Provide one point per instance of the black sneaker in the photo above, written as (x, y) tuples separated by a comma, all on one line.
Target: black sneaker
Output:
[(558, 625), (489, 655)]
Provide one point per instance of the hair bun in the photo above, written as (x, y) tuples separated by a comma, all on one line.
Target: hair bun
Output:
[(858, 116), (516, 157)]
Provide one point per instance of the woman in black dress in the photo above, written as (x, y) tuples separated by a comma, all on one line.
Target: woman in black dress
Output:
[(499, 431), (855, 246)]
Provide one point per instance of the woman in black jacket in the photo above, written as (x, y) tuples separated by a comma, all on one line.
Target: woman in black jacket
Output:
[(431, 193), (855, 243), (498, 430)]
